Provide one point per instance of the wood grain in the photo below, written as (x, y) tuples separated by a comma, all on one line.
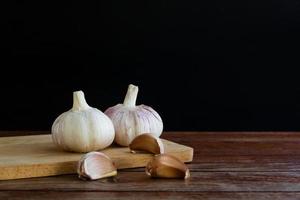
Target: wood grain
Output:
[(36, 156), (238, 144), (226, 165), (37, 195), (138, 181), (242, 163)]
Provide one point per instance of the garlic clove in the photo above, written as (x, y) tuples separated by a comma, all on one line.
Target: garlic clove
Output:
[(147, 142), (96, 165), (167, 166)]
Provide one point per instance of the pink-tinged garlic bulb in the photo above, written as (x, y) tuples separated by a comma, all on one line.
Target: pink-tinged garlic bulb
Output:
[(130, 120)]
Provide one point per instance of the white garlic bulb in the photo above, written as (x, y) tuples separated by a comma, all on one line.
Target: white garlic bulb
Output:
[(130, 120), (83, 128)]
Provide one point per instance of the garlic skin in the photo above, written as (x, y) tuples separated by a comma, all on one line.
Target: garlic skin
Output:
[(130, 120), (82, 128)]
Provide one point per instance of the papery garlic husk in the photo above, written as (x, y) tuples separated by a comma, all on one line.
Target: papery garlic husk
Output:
[(147, 142), (167, 166), (95, 165), (130, 120), (82, 128)]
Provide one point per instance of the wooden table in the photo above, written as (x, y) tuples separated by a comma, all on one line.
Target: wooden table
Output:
[(227, 165)]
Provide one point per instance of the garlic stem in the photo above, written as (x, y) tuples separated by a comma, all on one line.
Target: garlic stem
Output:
[(79, 102), (131, 95)]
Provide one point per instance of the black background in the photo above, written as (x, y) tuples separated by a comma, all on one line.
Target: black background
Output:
[(203, 65)]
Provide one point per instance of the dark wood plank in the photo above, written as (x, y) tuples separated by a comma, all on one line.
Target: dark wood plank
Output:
[(225, 143), (233, 136), (198, 135), (245, 148), (242, 163), (246, 163), (21, 133), (37, 195), (138, 181), (239, 143)]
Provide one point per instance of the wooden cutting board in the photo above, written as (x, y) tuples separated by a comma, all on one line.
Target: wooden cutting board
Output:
[(36, 156)]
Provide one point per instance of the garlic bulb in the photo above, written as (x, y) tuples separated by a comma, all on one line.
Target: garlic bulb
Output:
[(83, 128), (130, 120)]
